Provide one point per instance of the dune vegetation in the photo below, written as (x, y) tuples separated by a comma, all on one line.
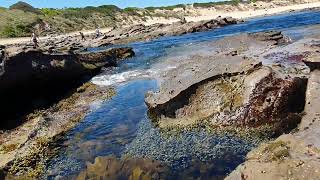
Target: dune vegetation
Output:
[(21, 19)]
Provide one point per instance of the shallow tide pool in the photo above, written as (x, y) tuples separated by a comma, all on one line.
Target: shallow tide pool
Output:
[(121, 126)]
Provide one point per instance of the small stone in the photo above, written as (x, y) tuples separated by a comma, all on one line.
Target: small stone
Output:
[(300, 163)]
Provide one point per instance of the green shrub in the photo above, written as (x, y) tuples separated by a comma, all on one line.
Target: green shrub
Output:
[(9, 31), (235, 2), (150, 8), (132, 11), (49, 12), (108, 10), (16, 31), (211, 4), (166, 7)]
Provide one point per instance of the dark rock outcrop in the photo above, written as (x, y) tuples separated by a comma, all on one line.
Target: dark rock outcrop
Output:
[(212, 24), (275, 36), (34, 65), (32, 79), (291, 156)]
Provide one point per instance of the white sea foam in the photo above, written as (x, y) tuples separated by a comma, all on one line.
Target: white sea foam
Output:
[(107, 80)]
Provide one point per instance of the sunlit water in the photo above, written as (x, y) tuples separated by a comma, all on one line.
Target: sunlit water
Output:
[(121, 126)]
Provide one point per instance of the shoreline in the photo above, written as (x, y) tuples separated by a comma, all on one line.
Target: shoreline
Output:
[(250, 14), (210, 14)]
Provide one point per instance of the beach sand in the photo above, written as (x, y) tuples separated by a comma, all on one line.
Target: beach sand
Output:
[(207, 14)]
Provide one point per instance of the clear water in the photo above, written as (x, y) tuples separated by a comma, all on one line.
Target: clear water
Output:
[(121, 126)]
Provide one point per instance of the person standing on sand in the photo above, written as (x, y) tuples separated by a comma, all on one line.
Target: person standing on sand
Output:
[(34, 39), (82, 36), (97, 32)]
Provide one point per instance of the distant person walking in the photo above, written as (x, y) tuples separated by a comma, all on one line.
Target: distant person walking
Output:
[(183, 20), (34, 39), (97, 32), (82, 36)]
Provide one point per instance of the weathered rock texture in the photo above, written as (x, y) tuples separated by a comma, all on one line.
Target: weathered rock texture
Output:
[(291, 156), (295, 155), (33, 65), (25, 150), (229, 89)]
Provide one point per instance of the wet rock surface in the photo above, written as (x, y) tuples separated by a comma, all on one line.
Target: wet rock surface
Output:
[(22, 66), (279, 83), (25, 150), (230, 88), (294, 155), (291, 156)]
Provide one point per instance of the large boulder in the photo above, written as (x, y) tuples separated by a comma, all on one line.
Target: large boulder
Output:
[(35, 66), (291, 156), (251, 97), (229, 89)]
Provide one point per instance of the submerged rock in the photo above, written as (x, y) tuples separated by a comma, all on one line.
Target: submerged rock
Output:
[(112, 168)]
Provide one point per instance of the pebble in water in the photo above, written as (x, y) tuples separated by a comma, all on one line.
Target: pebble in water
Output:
[(189, 148)]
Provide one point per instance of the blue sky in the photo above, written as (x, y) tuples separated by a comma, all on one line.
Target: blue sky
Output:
[(83, 3)]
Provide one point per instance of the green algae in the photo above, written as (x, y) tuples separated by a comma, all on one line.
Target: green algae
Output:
[(6, 148), (33, 163), (30, 165), (277, 150)]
